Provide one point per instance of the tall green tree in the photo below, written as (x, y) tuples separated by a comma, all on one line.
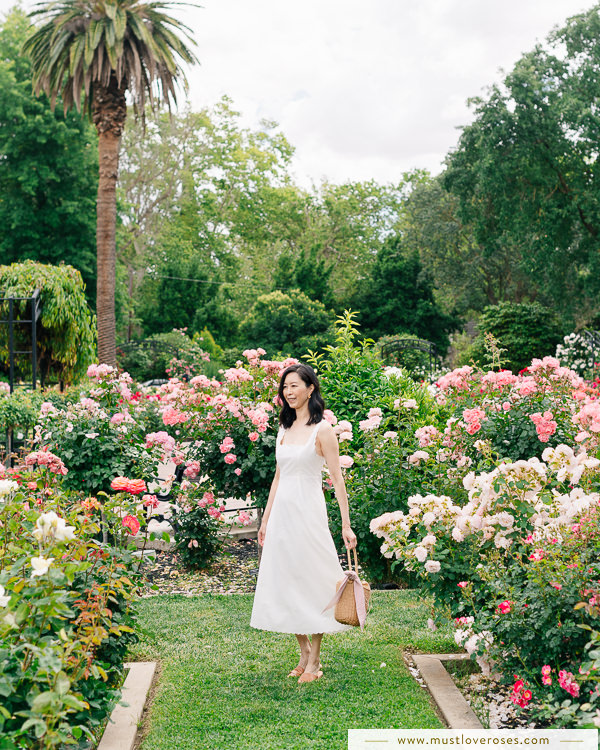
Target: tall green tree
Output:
[(526, 171), (309, 273), (104, 50), (398, 298), (48, 168)]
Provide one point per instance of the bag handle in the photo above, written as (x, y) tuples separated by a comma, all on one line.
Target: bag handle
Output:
[(355, 560)]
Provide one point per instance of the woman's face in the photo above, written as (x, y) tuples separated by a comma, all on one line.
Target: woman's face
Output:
[(295, 390)]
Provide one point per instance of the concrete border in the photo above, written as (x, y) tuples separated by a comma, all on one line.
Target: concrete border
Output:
[(121, 730), (454, 708)]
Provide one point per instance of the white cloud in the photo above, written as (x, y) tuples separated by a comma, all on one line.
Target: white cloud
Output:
[(361, 89)]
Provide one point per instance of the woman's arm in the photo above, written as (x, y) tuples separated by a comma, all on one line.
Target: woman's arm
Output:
[(267, 512), (331, 451)]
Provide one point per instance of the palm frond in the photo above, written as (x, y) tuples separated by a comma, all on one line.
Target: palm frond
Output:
[(78, 45)]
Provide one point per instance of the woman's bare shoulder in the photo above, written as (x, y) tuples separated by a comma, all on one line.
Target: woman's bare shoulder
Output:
[(325, 429)]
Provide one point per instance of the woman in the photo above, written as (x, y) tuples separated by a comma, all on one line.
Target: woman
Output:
[(299, 564)]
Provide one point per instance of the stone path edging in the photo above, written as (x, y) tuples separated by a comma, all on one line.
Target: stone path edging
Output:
[(121, 730), (454, 708)]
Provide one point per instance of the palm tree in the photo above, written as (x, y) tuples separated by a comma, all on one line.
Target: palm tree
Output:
[(106, 50)]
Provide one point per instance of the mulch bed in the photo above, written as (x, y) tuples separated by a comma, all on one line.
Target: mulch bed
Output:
[(234, 571)]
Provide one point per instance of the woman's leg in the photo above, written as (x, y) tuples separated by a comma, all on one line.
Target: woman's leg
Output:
[(314, 661), (304, 643)]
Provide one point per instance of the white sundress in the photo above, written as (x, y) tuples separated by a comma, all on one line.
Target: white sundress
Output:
[(299, 565)]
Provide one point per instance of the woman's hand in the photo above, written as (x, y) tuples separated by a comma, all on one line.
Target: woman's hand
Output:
[(349, 537), (262, 532)]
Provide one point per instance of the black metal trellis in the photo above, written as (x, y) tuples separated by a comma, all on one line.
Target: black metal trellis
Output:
[(11, 321), (392, 349), (11, 306)]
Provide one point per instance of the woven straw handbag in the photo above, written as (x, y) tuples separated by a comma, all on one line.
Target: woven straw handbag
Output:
[(352, 597)]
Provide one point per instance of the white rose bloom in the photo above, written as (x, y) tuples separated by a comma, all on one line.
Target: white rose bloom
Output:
[(420, 553), (432, 566), (429, 540), (7, 486), (457, 535), (469, 480), (3, 599), (50, 526), (40, 565), (9, 619)]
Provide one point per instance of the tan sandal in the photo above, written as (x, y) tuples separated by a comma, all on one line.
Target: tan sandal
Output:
[(310, 677), (296, 672)]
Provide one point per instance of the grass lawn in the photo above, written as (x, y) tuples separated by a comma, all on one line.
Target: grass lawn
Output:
[(222, 685)]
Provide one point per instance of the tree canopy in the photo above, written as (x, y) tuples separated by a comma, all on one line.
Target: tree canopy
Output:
[(48, 169)]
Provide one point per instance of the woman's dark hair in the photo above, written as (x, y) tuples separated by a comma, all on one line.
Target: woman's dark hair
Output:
[(316, 405)]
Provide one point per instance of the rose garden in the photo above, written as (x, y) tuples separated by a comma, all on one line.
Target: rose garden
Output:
[(475, 500), (161, 264)]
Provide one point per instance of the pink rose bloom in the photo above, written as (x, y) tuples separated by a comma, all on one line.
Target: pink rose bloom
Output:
[(192, 469), (505, 607), (330, 417), (346, 462), (253, 436), (230, 458), (117, 418), (171, 416), (237, 471), (150, 501), (131, 523), (537, 555), (462, 584)]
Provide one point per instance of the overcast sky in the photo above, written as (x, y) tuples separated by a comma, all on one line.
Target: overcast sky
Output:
[(363, 89)]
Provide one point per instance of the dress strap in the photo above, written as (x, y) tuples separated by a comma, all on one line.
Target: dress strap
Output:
[(314, 435)]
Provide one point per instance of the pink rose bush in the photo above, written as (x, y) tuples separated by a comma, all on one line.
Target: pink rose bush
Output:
[(106, 432)]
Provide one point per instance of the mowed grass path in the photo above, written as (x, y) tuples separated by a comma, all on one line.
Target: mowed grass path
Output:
[(223, 686)]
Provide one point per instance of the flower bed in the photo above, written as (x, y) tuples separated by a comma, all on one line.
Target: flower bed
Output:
[(508, 543), (65, 616)]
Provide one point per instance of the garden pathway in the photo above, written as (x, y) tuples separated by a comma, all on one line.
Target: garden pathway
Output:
[(223, 685)]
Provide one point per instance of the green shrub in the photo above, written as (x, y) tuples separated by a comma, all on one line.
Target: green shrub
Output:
[(526, 331), (351, 373), (287, 323), (353, 381), (195, 530), (173, 354)]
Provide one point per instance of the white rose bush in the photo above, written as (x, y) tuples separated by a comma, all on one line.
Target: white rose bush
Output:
[(65, 616), (508, 540)]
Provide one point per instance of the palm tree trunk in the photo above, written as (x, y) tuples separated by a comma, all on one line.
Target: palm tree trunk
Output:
[(109, 111), (106, 207)]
